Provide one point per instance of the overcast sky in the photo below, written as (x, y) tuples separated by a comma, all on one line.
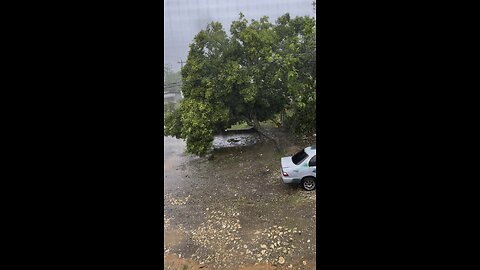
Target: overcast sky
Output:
[(183, 19)]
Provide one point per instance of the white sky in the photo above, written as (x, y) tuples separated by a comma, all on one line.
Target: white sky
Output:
[(183, 19)]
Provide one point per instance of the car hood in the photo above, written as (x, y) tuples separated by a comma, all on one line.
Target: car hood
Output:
[(287, 162)]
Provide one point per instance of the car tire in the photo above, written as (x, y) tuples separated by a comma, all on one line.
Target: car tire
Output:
[(309, 183)]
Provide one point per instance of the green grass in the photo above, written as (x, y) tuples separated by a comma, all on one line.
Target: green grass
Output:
[(269, 123), (241, 125)]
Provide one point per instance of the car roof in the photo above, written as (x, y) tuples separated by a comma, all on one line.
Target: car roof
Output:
[(311, 150)]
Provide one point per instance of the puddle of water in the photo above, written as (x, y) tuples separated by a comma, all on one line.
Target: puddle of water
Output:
[(174, 158), (235, 140), (176, 148)]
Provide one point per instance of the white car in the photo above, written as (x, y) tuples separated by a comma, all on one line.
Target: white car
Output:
[(301, 168)]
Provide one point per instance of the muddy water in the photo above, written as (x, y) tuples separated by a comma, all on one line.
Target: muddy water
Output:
[(233, 212), (174, 163), (235, 140)]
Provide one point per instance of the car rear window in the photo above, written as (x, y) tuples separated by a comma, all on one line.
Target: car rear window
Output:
[(299, 157), (313, 162)]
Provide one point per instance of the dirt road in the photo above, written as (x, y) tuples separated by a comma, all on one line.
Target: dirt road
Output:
[(234, 212)]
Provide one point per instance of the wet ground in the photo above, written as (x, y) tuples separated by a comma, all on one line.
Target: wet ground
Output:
[(235, 140), (233, 212)]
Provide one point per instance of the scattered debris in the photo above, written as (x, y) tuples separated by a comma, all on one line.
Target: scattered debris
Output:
[(227, 218)]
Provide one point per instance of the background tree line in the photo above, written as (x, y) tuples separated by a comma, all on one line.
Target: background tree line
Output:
[(171, 84), (171, 79)]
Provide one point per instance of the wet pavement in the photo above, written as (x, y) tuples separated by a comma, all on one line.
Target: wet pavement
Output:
[(233, 212)]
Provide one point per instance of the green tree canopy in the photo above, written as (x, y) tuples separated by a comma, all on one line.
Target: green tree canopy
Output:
[(259, 70)]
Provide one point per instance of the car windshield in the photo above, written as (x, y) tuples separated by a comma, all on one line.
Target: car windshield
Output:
[(299, 157)]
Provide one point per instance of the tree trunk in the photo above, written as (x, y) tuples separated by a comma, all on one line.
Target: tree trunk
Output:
[(256, 125), (277, 123)]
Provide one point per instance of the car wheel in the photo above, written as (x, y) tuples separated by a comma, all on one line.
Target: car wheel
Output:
[(308, 183)]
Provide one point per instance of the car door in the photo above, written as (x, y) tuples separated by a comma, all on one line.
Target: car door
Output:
[(312, 165)]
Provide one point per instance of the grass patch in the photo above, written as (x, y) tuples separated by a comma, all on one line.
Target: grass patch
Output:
[(269, 123), (241, 125)]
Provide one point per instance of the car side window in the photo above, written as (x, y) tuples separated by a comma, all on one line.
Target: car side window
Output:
[(313, 162)]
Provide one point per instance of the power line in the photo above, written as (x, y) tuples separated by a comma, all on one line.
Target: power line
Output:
[(174, 83), (181, 63), (170, 87)]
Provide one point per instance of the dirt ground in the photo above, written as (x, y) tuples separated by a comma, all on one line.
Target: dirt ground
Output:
[(234, 212)]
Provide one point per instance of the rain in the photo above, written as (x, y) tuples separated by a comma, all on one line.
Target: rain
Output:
[(183, 19), (231, 208)]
